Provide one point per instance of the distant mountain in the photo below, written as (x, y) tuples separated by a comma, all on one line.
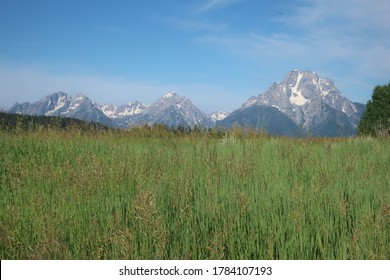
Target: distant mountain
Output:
[(17, 108), (125, 116), (312, 102), (60, 104), (130, 109), (218, 116), (173, 111)]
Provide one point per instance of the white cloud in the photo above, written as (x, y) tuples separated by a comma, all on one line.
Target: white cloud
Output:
[(355, 31), (348, 39), (363, 14), (215, 4)]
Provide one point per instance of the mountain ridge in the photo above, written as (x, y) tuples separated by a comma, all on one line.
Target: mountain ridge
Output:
[(302, 101), (171, 110)]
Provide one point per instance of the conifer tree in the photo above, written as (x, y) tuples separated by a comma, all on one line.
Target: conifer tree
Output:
[(376, 118)]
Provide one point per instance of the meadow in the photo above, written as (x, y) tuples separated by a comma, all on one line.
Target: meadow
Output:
[(155, 194)]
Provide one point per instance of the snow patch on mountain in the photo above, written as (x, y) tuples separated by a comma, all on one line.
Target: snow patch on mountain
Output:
[(218, 116), (169, 95), (132, 108), (296, 97), (59, 104)]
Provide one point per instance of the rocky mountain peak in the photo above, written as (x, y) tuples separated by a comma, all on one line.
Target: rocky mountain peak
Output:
[(309, 100), (300, 95), (174, 110), (171, 99), (171, 94)]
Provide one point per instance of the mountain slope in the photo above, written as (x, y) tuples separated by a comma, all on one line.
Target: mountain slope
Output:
[(263, 117)]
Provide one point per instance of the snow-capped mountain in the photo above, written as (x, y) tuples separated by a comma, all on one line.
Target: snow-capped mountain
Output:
[(312, 102), (17, 108), (218, 116), (60, 104), (174, 110), (132, 108), (125, 116)]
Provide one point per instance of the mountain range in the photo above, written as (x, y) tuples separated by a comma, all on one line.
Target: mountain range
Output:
[(302, 104), (171, 110)]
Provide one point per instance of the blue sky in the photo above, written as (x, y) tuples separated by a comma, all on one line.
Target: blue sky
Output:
[(216, 52)]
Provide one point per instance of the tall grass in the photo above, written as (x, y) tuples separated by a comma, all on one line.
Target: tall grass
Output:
[(113, 195)]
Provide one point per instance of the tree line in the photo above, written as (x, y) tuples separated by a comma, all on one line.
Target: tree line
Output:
[(14, 122)]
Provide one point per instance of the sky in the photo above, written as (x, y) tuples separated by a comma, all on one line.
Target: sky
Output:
[(218, 53)]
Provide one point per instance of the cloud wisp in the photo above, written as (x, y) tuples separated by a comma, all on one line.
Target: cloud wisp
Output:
[(210, 5), (345, 38)]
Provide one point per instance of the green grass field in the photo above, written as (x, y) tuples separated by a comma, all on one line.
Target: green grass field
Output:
[(123, 195)]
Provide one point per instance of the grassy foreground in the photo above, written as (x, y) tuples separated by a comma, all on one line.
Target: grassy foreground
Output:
[(117, 195)]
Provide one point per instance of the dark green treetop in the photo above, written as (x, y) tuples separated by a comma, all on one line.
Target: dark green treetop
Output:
[(376, 118)]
